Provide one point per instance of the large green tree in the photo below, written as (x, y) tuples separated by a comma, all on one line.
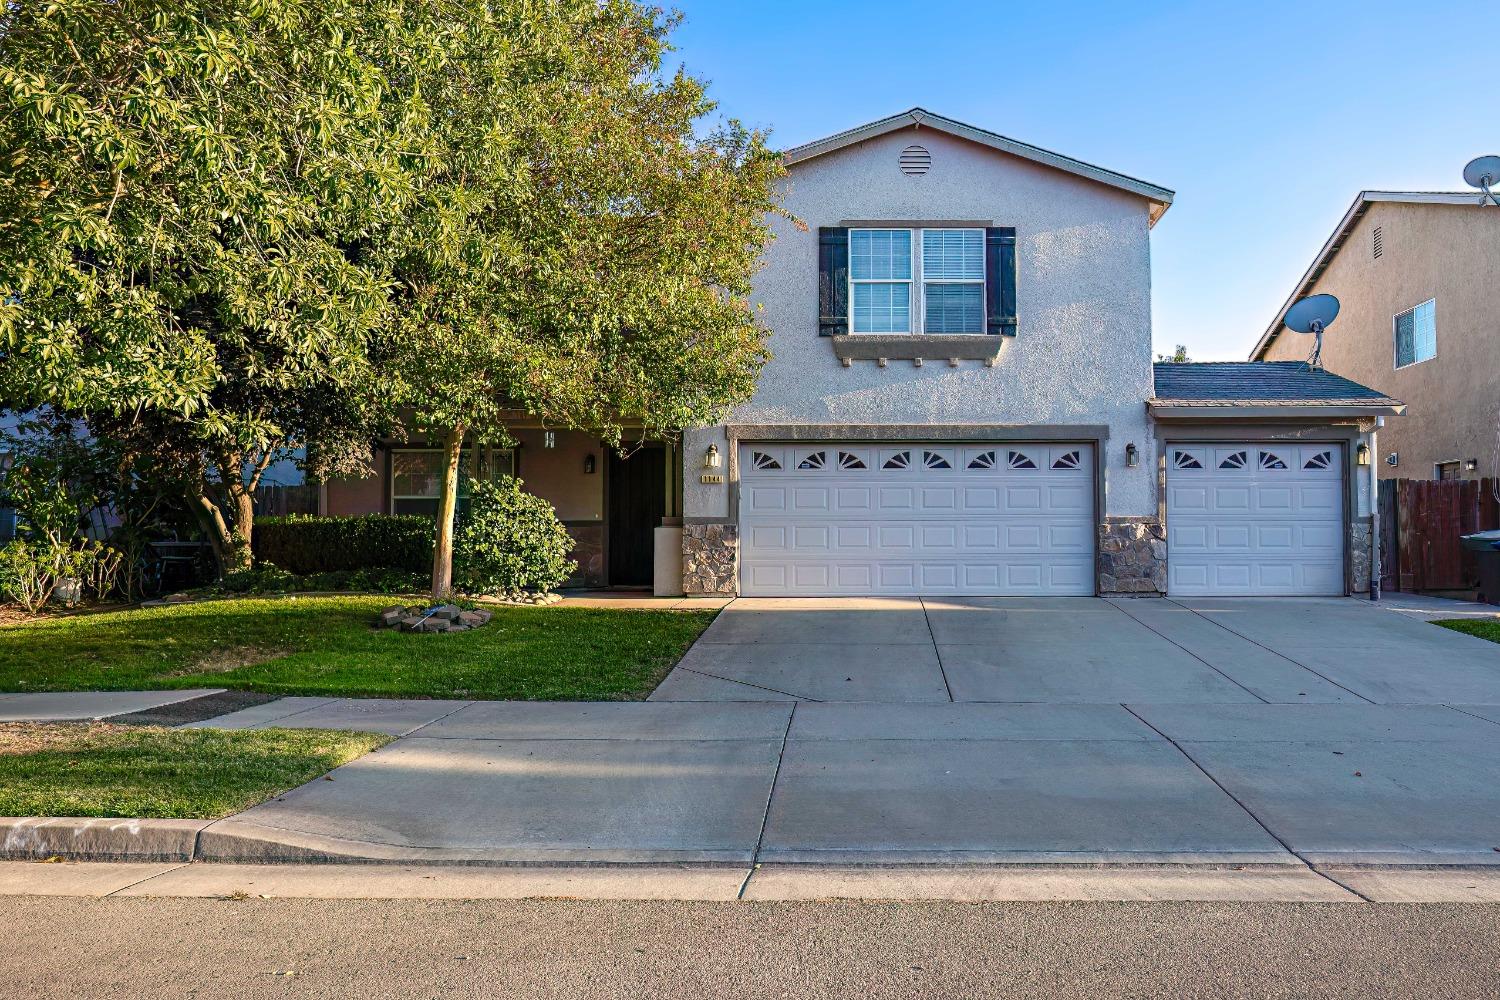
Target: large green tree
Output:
[(187, 196), (581, 246)]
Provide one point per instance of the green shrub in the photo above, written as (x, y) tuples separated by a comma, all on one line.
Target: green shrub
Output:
[(33, 571), (306, 544), (510, 542), (268, 578)]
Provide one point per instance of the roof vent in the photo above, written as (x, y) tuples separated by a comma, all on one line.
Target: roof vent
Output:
[(915, 160), (1377, 243)]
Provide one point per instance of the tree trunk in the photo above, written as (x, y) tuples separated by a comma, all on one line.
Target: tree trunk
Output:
[(230, 539), (242, 500), (442, 549)]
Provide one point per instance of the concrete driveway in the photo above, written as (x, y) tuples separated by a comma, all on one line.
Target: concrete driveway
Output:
[(1317, 734), (1083, 650)]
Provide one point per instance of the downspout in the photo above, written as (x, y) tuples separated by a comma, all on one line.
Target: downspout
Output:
[(1375, 511)]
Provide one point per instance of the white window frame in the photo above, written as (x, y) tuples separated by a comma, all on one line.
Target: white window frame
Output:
[(912, 284), (916, 318), (1396, 345), (923, 281)]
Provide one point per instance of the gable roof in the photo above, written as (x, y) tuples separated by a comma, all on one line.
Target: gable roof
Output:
[(1362, 203), (1260, 384), (1159, 197)]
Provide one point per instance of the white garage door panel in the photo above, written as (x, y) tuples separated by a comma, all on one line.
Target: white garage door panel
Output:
[(853, 519), (1245, 519)]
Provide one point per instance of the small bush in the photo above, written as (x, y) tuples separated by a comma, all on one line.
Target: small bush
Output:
[(33, 571), (305, 544), (510, 542)]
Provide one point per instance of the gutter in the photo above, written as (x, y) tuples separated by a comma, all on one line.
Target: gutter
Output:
[(1240, 410)]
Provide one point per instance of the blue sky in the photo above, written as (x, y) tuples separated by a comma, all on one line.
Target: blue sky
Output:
[(1265, 118)]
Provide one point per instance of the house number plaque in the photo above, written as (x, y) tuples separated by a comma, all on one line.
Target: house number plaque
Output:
[(711, 477)]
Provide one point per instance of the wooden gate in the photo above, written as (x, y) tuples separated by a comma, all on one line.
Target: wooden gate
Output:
[(1421, 523)]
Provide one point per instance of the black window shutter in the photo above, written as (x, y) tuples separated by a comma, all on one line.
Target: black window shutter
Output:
[(1000, 280), (833, 280)]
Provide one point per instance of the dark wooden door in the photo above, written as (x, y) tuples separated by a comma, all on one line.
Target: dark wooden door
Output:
[(637, 503)]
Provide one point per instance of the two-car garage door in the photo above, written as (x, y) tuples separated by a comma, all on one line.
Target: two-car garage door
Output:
[(920, 518), (1255, 519)]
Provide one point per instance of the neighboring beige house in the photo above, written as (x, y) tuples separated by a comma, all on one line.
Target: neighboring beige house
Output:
[(1418, 278)]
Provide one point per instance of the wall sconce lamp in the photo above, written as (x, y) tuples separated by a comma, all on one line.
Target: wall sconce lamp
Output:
[(1362, 454), (588, 464), (549, 439), (711, 457), (1471, 464), (1393, 459), (1132, 456)]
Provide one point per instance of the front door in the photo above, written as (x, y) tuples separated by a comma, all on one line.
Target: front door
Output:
[(637, 504)]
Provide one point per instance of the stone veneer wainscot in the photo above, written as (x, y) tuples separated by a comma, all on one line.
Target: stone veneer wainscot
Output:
[(710, 559)]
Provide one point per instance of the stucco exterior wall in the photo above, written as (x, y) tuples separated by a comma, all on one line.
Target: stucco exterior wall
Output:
[(1443, 252), (556, 474), (1082, 355), (359, 496)]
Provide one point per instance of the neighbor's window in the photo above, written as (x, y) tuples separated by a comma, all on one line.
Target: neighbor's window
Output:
[(1416, 334), (916, 280), (417, 476)]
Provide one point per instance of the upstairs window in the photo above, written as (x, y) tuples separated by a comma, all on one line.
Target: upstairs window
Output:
[(1416, 334), (880, 273), (953, 280), (917, 280)]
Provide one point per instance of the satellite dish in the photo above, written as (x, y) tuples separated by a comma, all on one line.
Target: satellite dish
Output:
[(1483, 173), (1313, 315)]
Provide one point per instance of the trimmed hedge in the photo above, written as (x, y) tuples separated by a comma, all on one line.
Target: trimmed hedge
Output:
[(304, 544)]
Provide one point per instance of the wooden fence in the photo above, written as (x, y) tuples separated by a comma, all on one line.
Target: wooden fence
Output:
[(1421, 521), (282, 500)]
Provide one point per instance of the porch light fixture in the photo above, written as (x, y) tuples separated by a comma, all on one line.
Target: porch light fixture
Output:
[(711, 457), (1132, 456), (549, 439), (588, 464), (1362, 454), (1471, 464)]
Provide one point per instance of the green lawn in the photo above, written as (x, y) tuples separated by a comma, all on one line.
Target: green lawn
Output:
[(1484, 628), (330, 646), (149, 771)]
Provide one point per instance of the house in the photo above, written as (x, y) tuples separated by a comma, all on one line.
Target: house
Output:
[(1415, 273), (962, 401)]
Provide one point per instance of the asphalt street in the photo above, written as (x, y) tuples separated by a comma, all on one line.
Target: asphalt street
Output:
[(231, 947)]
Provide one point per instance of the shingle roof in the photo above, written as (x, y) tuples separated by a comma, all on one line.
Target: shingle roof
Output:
[(1217, 383)]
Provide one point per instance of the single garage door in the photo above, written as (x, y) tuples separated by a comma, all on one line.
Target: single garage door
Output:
[(1248, 519), (852, 519)]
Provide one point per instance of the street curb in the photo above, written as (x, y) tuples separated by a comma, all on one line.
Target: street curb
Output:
[(236, 841), (31, 838)]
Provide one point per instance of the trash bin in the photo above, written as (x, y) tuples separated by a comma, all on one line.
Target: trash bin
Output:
[(1486, 548)]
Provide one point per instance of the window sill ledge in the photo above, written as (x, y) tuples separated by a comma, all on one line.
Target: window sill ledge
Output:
[(911, 347)]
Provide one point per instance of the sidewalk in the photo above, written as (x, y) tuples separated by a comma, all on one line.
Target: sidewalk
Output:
[(763, 883)]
